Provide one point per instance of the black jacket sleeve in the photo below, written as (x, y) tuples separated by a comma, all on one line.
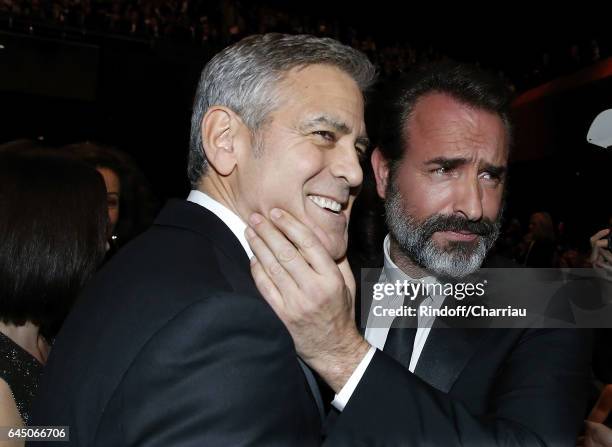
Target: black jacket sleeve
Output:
[(538, 399), (223, 372)]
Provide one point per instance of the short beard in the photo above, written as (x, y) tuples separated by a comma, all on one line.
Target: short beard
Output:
[(458, 259)]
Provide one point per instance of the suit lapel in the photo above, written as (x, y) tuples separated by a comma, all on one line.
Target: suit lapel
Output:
[(231, 256), (447, 351)]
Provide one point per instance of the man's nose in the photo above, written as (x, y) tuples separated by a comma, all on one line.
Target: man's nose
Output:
[(345, 164), (468, 199)]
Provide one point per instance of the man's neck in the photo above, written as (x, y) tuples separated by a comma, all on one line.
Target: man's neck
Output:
[(403, 262), (222, 193)]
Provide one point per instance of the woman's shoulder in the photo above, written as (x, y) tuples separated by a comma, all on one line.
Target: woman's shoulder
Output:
[(9, 414)]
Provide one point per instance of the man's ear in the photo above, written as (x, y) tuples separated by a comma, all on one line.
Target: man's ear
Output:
[(220, 127), (380, 167)]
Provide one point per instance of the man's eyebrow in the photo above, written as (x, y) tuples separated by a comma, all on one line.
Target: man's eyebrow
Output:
[(338, 126), (447, 163), (453, 163)]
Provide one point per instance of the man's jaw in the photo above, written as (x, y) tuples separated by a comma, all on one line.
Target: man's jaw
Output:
[(329, 216)]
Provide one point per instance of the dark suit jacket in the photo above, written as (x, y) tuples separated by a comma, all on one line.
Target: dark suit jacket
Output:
[(473, 387), (172, 344)]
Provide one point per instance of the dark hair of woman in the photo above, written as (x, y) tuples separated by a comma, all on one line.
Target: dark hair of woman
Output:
[(52, 235)]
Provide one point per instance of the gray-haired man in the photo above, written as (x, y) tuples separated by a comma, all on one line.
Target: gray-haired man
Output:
[(172, 344)]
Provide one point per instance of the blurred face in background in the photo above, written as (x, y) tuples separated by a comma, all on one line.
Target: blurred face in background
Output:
[(540, 226), (113, 191)]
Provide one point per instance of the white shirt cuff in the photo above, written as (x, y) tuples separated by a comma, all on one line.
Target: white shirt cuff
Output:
[(342, 398)]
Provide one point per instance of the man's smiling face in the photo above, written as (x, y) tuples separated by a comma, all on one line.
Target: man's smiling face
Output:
[(308, 159)]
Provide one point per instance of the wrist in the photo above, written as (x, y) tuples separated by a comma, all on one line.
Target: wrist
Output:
[(336, 365)]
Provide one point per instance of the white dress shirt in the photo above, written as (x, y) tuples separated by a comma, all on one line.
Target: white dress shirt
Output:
[(229, 218), (377, 328)]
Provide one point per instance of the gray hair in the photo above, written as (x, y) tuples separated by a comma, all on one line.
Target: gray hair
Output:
[(244, 76)]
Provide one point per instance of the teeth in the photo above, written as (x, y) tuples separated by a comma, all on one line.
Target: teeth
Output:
[(324, 202)]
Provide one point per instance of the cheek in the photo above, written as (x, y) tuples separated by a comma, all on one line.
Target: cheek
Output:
[(423, 199), (281, 188), (491, 203), (307, 163), (349, 207)]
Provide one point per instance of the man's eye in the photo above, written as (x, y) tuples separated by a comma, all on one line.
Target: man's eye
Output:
[(441, 171), (361, 151), (490, 177), (325, 134)]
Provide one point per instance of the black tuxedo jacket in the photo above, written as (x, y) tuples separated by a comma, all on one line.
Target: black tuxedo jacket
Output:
[(172, 344), (473, 387)]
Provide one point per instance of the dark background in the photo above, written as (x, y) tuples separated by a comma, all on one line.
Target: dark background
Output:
[(135, 92)]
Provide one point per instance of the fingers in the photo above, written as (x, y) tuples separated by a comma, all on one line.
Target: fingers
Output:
[(605, 267), (603, 406), (270, 265), (598, 243), (285, 252), (266, 287), (600, 234), (597, 435), (304, 240), (606, 254), (603, 262)]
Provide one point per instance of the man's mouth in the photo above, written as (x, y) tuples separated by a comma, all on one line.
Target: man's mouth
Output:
[(463, 236), (326, 203)]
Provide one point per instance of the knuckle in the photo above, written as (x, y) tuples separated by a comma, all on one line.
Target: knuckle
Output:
[(308, 241), (263, 287), (275, 269), (287, 254)]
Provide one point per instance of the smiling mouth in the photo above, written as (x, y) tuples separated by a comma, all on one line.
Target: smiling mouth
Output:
[(326, 203)]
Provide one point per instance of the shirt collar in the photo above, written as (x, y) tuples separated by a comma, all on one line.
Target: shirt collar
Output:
[(229, 218), (393, 273)]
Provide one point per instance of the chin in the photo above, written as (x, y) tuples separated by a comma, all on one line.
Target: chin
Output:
[(336, 248)]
